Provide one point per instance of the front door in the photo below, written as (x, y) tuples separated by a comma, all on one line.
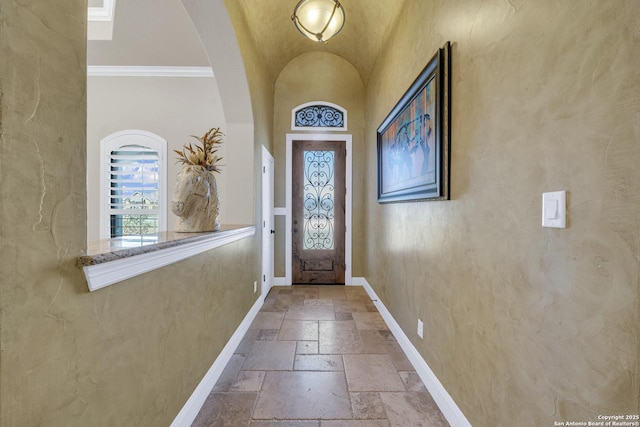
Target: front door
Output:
[(318, 212)]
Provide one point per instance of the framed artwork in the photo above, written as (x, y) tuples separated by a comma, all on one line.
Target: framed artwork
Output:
[(413, 140)]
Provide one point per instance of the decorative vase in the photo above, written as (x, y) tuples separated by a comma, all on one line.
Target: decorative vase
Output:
[(196, 201)]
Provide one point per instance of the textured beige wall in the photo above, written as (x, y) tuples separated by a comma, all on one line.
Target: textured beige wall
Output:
[(172, 108), (320, 76), (523, 324), (127, 355)]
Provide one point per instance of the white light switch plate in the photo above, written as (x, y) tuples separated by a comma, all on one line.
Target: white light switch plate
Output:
[(554, 209)]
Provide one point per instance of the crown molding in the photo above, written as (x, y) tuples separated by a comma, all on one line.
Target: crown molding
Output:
[(147, 71)]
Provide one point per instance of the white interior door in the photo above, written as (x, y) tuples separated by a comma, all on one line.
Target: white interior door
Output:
[(268, 232)]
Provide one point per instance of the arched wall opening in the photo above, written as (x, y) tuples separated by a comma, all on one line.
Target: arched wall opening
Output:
[(319, 76), (175, 105), (213, 24)]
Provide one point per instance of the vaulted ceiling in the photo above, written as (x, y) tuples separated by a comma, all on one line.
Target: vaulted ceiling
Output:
[(365, 30), (159, 32)]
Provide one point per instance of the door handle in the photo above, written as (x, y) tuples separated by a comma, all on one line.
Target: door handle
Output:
[(273, 231)]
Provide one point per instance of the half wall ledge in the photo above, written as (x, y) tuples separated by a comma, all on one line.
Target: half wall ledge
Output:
[(110, 261)]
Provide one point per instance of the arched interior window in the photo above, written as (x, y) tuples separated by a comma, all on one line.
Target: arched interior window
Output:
[(133, 184)]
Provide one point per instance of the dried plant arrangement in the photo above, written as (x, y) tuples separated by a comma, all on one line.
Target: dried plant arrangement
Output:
[(204, 155)]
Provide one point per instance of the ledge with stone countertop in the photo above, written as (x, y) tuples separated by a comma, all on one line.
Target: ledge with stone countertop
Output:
[(109, 261)]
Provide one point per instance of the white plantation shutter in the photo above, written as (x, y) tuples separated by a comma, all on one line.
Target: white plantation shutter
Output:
[(134, 187)]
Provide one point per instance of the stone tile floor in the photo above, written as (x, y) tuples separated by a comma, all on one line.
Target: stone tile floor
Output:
[(319, 356)]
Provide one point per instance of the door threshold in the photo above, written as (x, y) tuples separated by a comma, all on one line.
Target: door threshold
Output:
[(318, 284)]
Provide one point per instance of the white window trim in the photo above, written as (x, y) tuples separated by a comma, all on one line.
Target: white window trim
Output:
[(132, 137), (318, 129), (100, 21), (104, 13)]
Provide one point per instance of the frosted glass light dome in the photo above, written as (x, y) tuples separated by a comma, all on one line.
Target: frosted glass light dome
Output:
[(318, 19)]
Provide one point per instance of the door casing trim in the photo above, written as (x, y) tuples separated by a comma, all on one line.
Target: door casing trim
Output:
[(347, 139), (266, 280)]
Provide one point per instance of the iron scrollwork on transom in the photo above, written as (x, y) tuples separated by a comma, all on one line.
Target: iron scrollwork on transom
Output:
[(319, 199), (322, 116)]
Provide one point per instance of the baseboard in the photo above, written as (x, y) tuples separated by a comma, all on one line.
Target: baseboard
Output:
[(190, 410), (279, 281), (361, 281), (449, 409)]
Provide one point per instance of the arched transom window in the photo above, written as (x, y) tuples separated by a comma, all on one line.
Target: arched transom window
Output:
[(319, 115)]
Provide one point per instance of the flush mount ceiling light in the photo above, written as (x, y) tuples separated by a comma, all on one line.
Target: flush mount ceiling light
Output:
[(318, 19)]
